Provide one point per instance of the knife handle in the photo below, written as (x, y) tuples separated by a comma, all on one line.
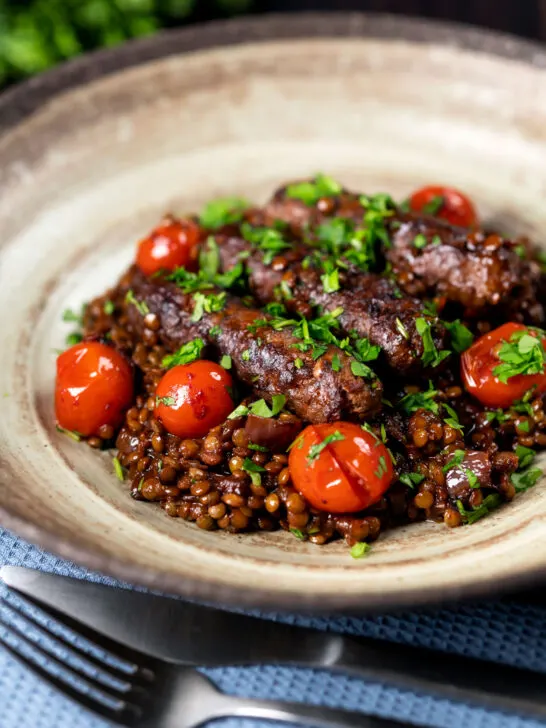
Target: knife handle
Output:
[(450, 676), (317, 716)]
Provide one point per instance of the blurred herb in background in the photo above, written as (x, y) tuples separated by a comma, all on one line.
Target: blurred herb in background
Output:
[(36, 34)]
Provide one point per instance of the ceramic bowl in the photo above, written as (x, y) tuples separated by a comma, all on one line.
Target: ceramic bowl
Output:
[(92, 154)]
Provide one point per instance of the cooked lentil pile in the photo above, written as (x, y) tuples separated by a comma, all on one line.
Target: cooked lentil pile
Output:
[(375, 365)]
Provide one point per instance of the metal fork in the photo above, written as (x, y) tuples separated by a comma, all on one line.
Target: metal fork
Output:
[(143, 692)]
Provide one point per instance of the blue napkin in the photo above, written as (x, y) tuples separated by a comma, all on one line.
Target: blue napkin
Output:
[(497, 631)]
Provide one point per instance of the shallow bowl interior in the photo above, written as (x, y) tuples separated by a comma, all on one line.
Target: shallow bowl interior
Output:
[(93, 154)]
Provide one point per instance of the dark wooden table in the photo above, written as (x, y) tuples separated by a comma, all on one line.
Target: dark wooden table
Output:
[(522, 17)]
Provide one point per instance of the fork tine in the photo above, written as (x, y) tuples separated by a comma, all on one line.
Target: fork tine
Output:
[(106, 673), (112, 693), (143, 667), (120, 715)]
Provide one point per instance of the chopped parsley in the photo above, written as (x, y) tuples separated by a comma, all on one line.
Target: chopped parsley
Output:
[(431, 356), (473, 480), (498, 415), (336, 363), (522, 354), (457, 457), (526, 455), (268, 240), (525, 479), (207, 304), (300, 535), (298, 363), (311, 192), (260, 408), (118, 469), (254, 470), (330, 281), (490, 503), (381, 468), (225, 361), (420, 400), (71, 316), (434, 205), (360, 549), (361, 370), (108, 308), (419, 241), (402, 329), (258, 448), (215, 331), (521, 251), (223, 211), (245, 356), (430, 308), (461, 337), (523, 426), (315, 450), (141, 306), (167, 401), (453, 419), (436, 240), (74, 338), (209, 258), (185, 355), (411, 479), (70, 433)]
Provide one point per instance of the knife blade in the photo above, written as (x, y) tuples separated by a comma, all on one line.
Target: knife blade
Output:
[(193, 634)]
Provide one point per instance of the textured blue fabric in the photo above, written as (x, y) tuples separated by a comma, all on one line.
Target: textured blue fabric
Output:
[(497, 631)]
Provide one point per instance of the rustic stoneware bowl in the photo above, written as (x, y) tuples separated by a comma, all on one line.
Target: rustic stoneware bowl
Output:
[(93, 153)]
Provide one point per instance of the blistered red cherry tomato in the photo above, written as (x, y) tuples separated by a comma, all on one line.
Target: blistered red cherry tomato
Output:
[(481, 359), (171, 245), (193, 398), (94, 387), (339, 467), (446, 203)]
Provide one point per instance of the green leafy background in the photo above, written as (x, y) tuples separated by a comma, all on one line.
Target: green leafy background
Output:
[(37, 34)]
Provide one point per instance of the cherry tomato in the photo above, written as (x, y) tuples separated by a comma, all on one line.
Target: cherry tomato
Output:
[(193, 398), (94, 387), (445, 202), (478, 364), (169, 246), (339, 467)]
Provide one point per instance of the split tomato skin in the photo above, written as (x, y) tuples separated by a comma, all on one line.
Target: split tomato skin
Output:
[(479, 361), (350, 473), (94, 387), (193, 398), (173, 244), (456, 208)]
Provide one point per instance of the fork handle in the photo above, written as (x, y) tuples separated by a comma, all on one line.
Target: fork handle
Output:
[(317, 716)]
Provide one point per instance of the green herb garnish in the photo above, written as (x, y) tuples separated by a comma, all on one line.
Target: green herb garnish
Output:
[(522, 354), (258, 448), (330, 281), (526, 455), (108, 308), (298, 363), (141, 306), (434, 205), (315, 450), (225, 361), (457, 457), (360, 549), (431, 356), (490, 503), (209, 258), (419, 241), (411, 479), (402, 329), (420, 400), (254, 470), (298, 534), (70, 433), (118, 469), (312, 192), (185, 355), (525, 479), (223, 211), (209, 303), (461, 337)]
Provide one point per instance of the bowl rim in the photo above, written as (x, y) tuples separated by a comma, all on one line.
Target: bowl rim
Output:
[(22, 100)]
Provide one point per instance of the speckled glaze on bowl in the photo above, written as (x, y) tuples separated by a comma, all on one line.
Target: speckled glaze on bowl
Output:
[(94, 152)]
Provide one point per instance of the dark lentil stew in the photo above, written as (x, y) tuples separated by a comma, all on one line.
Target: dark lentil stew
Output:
[(332, 364)]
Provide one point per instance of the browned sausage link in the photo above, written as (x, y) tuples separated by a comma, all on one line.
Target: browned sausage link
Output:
[(482, 273), (372, 305), (473, 269), (262, 358)]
